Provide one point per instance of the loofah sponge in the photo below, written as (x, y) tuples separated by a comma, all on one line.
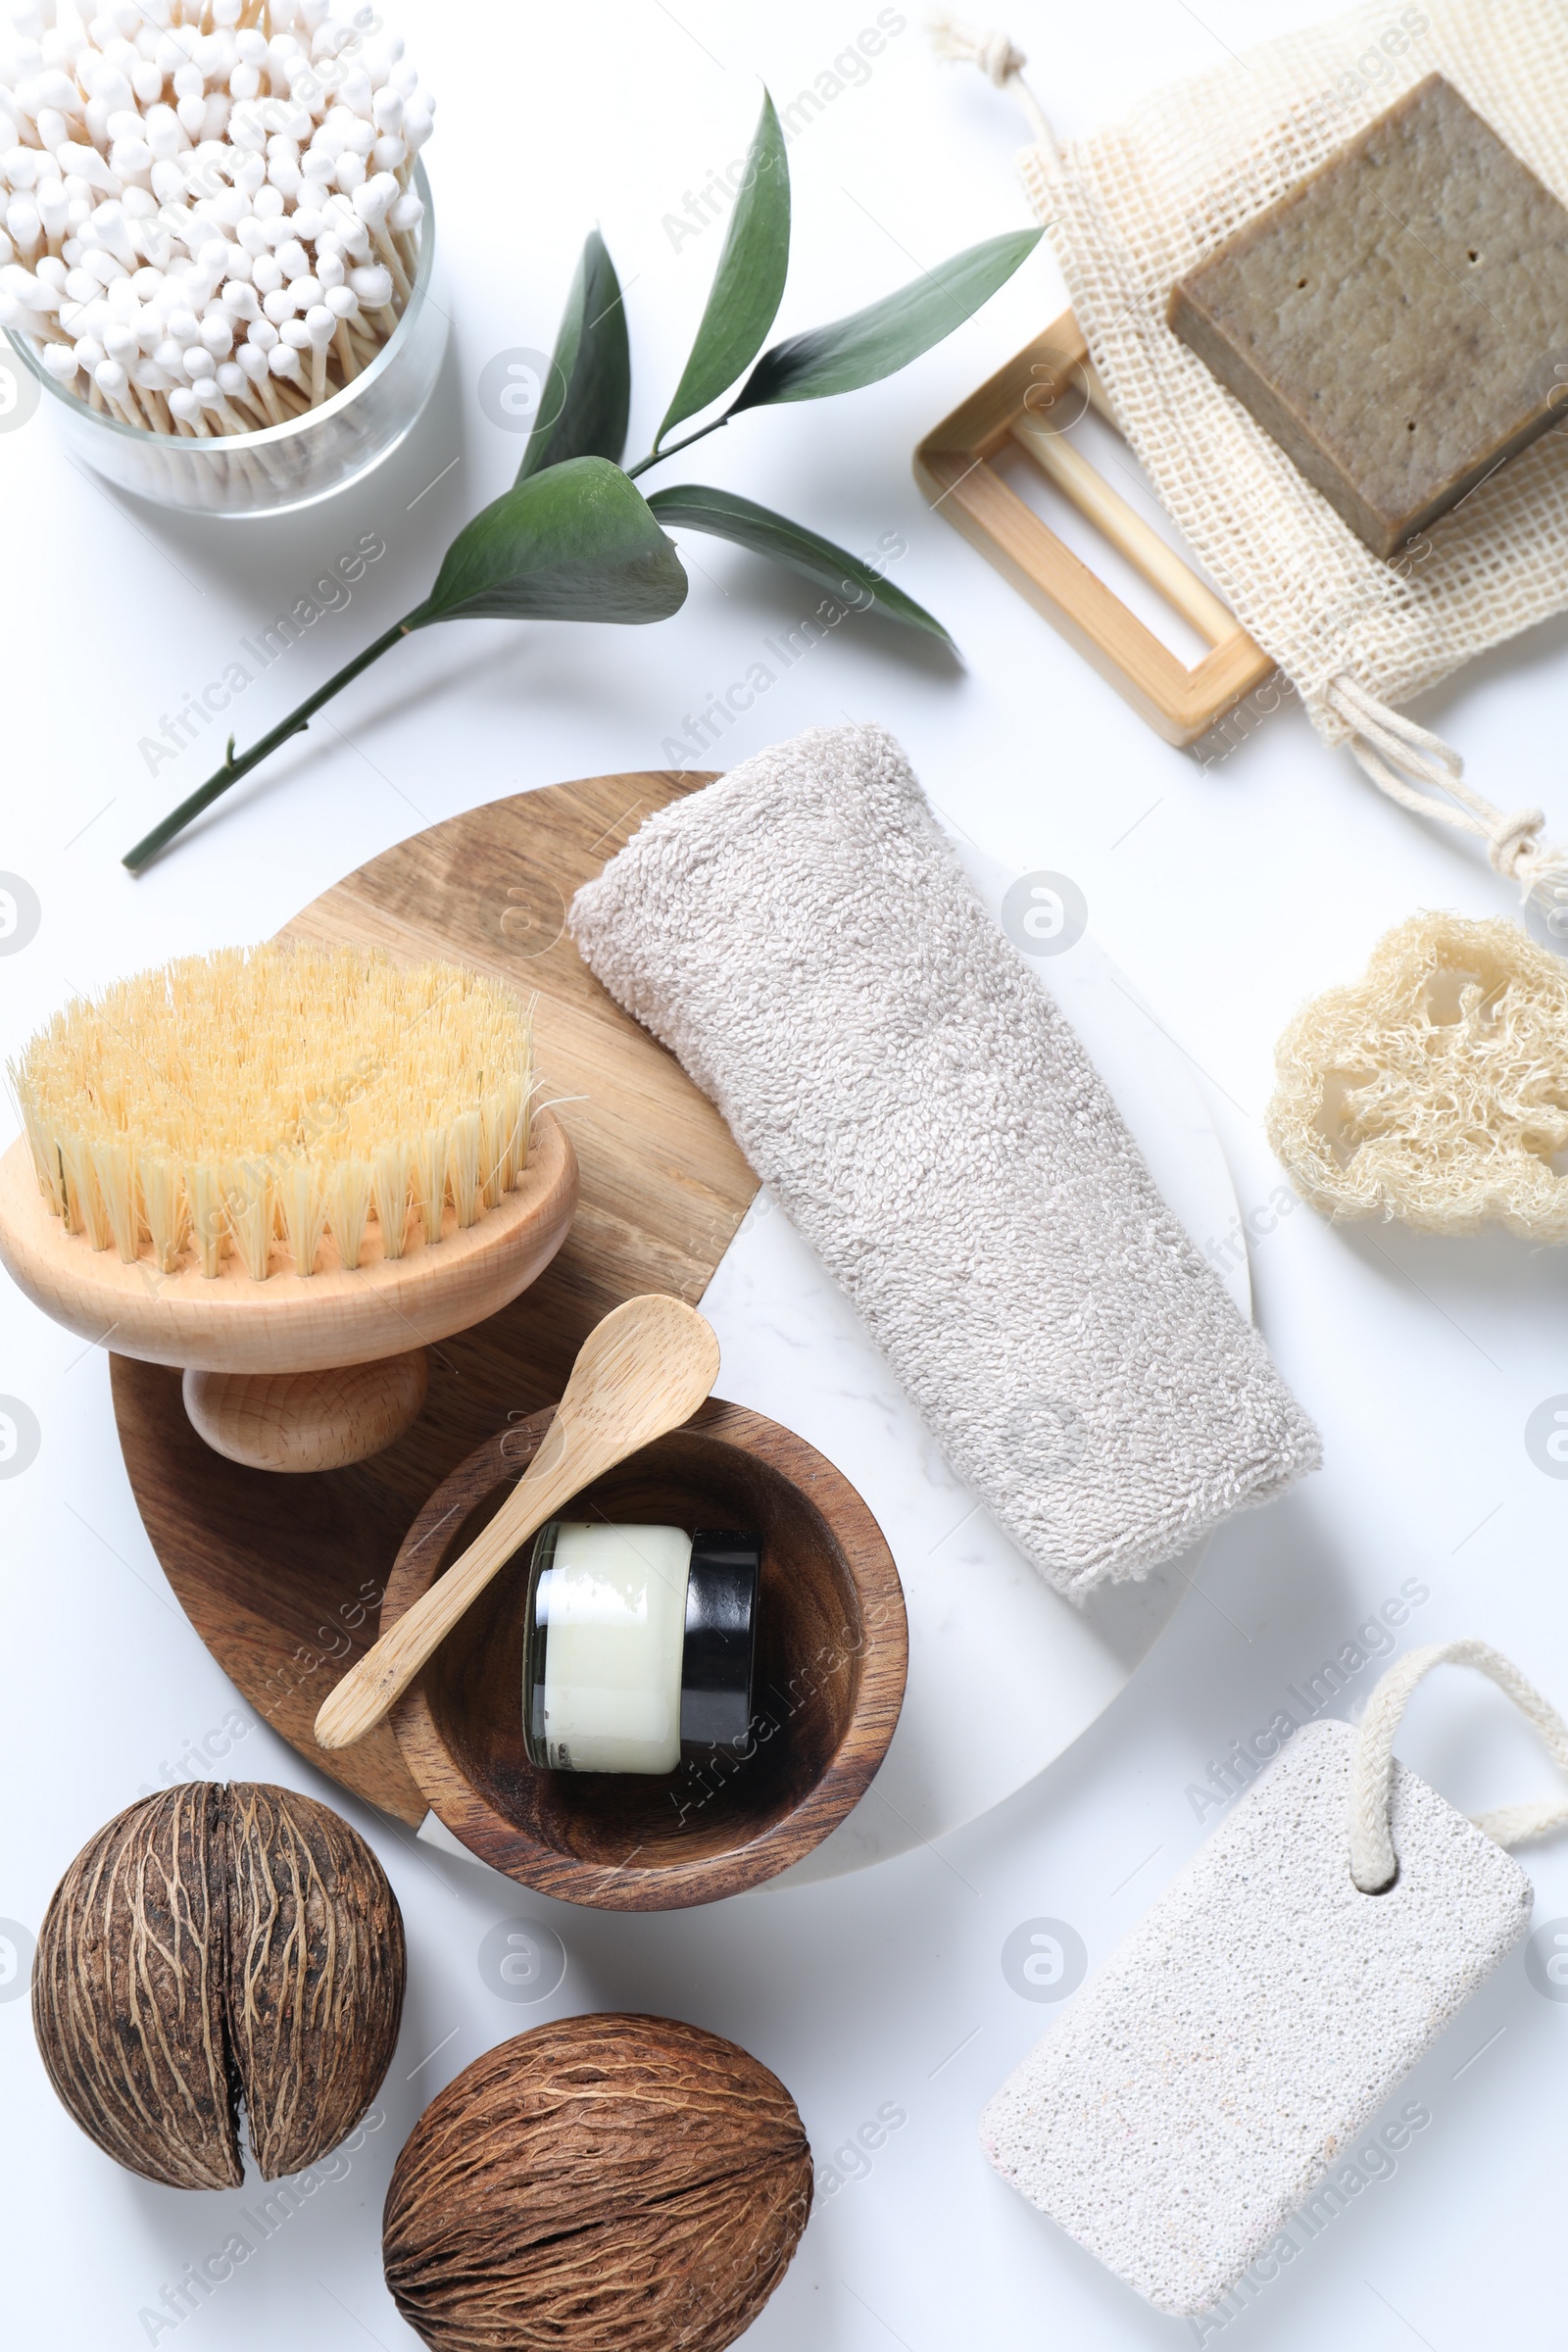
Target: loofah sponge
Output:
[(1435, 1089)]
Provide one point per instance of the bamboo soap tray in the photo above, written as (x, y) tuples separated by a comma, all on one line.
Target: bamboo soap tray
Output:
[(283, 1578), (1027, 405)]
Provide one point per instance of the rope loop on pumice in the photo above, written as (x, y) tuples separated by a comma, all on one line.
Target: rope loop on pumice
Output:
[(1426, 775), (1374, 1864)]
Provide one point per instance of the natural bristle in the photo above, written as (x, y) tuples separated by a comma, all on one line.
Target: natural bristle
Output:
[(274, 1101)]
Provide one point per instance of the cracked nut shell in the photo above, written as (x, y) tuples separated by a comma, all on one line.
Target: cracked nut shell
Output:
[(213, 1946), (618, 2183)]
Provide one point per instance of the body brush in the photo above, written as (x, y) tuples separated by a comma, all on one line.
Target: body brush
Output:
[(283, 1160)]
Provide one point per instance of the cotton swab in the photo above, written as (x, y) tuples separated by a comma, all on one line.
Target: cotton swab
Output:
[(152, 383), (122, 344), (24, 228), (62, 363), (52, 213), (344, 305), (404, 218), (237, 388), (284, 361), (321, 326), (179, 163), (241, 302), (211, 394), (114, 385), (373, 202), (184, 405), (253, 359), (373, 286)]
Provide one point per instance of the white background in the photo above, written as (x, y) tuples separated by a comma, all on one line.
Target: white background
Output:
[(1227, 896)]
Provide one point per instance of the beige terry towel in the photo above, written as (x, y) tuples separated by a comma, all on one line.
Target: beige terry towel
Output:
[(803, 939)]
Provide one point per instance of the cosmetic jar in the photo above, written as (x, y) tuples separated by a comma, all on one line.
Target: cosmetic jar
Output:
[(637, 1640)]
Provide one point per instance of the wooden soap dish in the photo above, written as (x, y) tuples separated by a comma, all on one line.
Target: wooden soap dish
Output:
[(1029, 404), (292, 1373)]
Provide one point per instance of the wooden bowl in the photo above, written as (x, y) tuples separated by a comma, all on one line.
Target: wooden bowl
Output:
[(296, 1373), (831, 1657)]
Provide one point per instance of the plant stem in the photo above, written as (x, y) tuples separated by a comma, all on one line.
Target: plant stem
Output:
[(232, 769), (657, 456)]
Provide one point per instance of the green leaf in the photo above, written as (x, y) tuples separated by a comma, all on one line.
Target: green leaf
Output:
[(879, 341), (749, 284), (587, 396), (816, 560), (574, 543)]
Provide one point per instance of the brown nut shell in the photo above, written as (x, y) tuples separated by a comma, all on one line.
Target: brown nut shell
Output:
[(128, 1993), (316, 1972), (618, 2183), (212, 1944)]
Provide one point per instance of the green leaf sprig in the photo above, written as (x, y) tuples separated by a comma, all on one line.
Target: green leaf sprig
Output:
[(573, 539)]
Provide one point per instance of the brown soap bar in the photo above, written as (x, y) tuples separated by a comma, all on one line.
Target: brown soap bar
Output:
[(1397, 320)]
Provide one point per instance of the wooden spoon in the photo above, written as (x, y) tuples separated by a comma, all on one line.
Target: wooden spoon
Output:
[(645, 1369)]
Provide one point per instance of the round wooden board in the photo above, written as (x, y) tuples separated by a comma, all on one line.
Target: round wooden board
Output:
[(283, 1577)]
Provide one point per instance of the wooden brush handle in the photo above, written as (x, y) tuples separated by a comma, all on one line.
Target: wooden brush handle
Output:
[(307, 1421), (374, 1684)]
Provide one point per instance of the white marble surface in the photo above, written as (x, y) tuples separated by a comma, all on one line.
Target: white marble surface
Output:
[(1224, 896)]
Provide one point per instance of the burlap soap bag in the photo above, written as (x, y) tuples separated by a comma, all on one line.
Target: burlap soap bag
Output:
[(1131, 209)]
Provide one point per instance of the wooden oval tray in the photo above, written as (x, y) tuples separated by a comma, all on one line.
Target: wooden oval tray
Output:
[(283, 1578)]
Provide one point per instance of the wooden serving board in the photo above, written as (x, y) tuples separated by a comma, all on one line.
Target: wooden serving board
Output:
[(282, 1577)]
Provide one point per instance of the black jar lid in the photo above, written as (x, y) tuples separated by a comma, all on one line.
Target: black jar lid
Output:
[(717, 1664)]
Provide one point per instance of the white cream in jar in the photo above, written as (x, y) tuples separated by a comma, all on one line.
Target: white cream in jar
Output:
[(637, 1636)]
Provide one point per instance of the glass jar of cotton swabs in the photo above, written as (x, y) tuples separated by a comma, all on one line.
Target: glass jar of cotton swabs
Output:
[(217, 242)]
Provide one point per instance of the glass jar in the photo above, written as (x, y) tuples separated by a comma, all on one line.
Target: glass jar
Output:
[(288, 467), (637, 1640)]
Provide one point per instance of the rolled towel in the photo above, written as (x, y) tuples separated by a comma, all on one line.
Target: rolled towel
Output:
[(802, 936)]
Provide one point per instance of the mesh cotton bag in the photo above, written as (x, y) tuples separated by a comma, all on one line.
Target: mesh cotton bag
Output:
[(1130, 210)]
